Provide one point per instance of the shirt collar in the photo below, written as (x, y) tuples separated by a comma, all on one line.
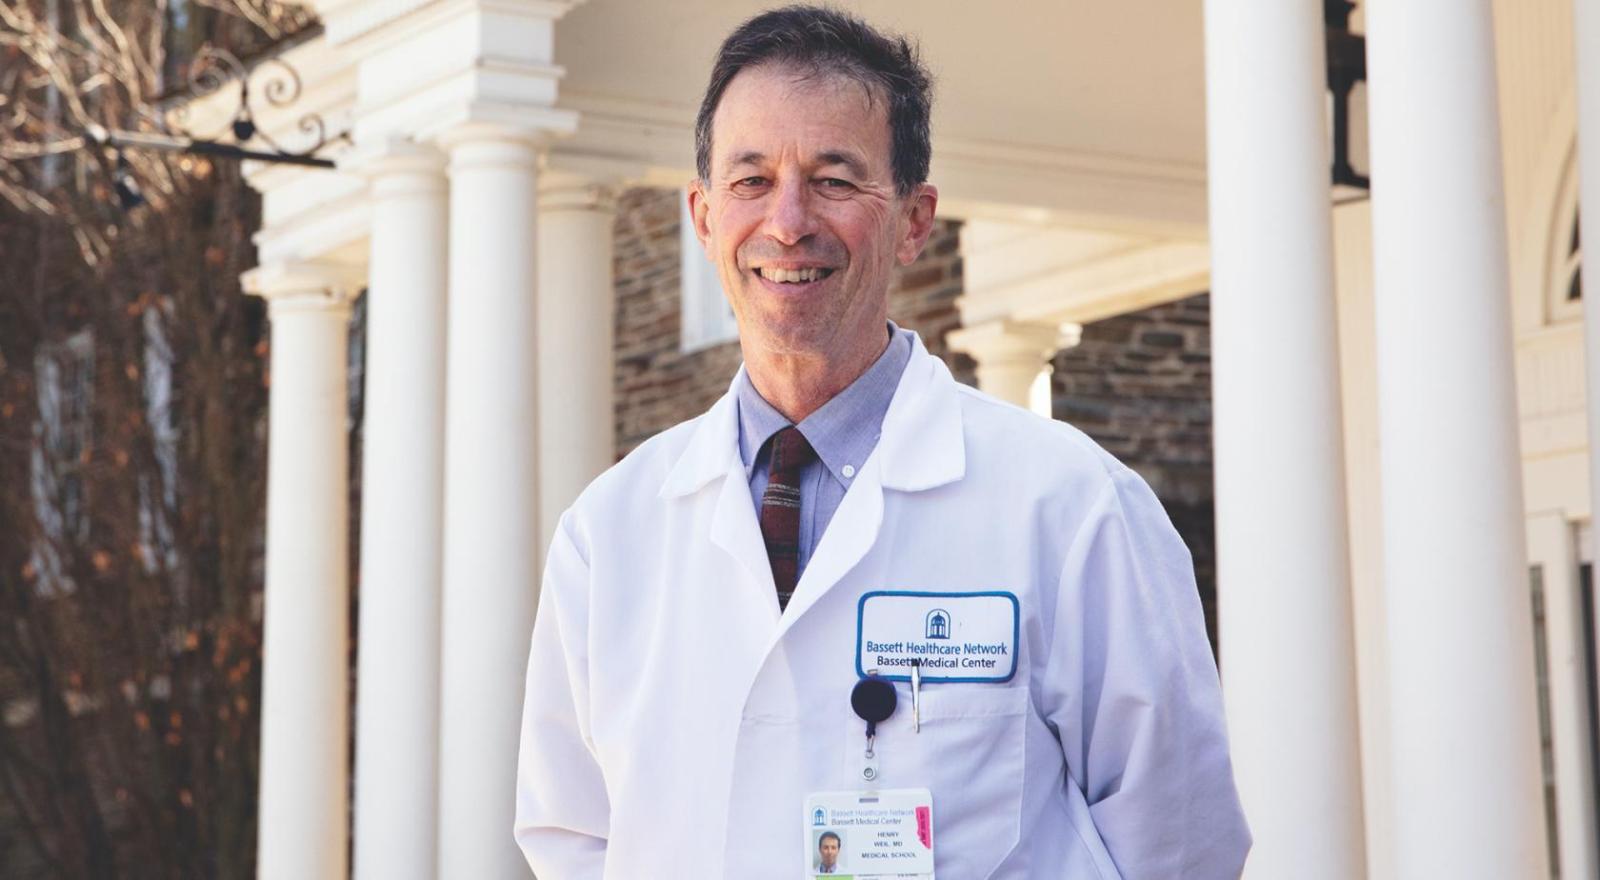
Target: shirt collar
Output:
[(844, 430)]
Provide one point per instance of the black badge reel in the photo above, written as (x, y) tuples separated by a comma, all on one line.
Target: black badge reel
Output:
[(873, 699)]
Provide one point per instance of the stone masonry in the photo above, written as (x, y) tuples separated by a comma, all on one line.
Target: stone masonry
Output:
[(1140, 385)]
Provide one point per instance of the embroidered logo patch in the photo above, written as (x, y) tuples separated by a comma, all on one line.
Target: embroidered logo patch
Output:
[(951, 636)]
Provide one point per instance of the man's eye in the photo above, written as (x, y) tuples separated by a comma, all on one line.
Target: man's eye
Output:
[(750, 181), (835, 183)]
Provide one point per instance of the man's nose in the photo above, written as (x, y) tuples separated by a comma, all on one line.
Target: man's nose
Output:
[(789, 216)]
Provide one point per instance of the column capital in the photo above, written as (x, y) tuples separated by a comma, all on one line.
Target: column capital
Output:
[(563, 191), (381, 156), (581, 182), (310, 286), (521, 125), (1008, 340), (490, 71)]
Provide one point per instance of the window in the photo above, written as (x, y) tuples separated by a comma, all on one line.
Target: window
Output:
[(65, 372), (1591, 655), (1541, 661), (1591, 646), (707, 319), (158, 492), (1572, 265), (1564, 261)]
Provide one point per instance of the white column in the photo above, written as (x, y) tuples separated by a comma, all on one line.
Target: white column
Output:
[(492, 530), (397, 692), (1287, 645), (1358, 379), (303, 825), (576, 318), (1013, 357), (1466, 769)]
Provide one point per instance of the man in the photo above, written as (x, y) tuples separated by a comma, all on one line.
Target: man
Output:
[(827, 853), (854, 580)]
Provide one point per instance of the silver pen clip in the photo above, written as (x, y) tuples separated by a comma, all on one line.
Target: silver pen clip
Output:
[(916, 695)]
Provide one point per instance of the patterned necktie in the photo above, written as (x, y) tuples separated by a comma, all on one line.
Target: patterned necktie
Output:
[(780, 509)]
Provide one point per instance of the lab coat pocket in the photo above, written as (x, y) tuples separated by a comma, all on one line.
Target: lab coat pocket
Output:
[(970, 754)]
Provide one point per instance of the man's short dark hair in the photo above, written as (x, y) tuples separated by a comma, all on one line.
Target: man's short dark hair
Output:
[(817, 40), (823, 837)]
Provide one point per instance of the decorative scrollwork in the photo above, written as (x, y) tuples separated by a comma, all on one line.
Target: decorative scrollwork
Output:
[(313, 125), (215, 70), (211, 70), (280, 82)]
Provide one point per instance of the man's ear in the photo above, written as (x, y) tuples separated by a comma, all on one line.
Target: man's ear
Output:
[(699, 210), (919, 223)]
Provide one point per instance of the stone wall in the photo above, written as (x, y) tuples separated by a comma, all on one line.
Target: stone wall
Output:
[(1140, 385), (658, 385)]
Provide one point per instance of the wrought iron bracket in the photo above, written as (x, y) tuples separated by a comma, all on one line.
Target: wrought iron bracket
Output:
[(213, 71), (123, 140)]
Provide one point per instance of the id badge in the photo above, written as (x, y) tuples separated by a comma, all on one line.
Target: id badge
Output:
[(870, 835)]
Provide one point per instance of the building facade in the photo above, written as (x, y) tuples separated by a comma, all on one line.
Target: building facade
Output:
[(1393, 387)]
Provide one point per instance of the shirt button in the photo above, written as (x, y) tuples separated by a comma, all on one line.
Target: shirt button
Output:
[(848, 470)]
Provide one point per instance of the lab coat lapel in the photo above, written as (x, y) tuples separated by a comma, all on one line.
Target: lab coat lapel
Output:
[(713, 452), (921, 447), (850, 534), (734, 528)]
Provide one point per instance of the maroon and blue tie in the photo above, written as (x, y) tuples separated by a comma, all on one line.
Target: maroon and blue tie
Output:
[(780, 509)]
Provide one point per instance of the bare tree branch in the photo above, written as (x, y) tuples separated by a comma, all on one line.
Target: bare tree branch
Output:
[(145, 611)]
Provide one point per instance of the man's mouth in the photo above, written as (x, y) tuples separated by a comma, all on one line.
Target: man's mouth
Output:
[(793, 276)]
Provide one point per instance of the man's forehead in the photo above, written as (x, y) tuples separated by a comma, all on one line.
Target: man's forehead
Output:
[(840, 111)]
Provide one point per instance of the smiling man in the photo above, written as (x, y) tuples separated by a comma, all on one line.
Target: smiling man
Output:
[(855, 591)]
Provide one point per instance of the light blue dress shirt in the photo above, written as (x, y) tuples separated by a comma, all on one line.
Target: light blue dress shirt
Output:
[(843, 431)]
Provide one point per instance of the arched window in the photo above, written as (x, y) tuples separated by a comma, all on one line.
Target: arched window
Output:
[(1572, 269), (1564, 273)]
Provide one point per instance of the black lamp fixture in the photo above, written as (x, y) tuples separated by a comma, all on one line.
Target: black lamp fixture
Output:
[(1347, 67), (126, 186)]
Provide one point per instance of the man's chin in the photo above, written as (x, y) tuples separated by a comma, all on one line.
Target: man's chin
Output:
[(793, 336)]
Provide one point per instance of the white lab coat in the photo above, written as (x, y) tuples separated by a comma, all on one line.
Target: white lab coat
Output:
[(675, 721)]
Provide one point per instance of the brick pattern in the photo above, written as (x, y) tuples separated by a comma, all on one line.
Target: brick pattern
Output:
[(923, 298), (1140, 385), (657, 385)]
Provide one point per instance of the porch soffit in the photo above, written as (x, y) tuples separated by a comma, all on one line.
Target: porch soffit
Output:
[(1049, 275)]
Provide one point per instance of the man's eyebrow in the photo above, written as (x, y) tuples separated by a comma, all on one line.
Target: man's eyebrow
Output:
[(849, 160), (748, 157)]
